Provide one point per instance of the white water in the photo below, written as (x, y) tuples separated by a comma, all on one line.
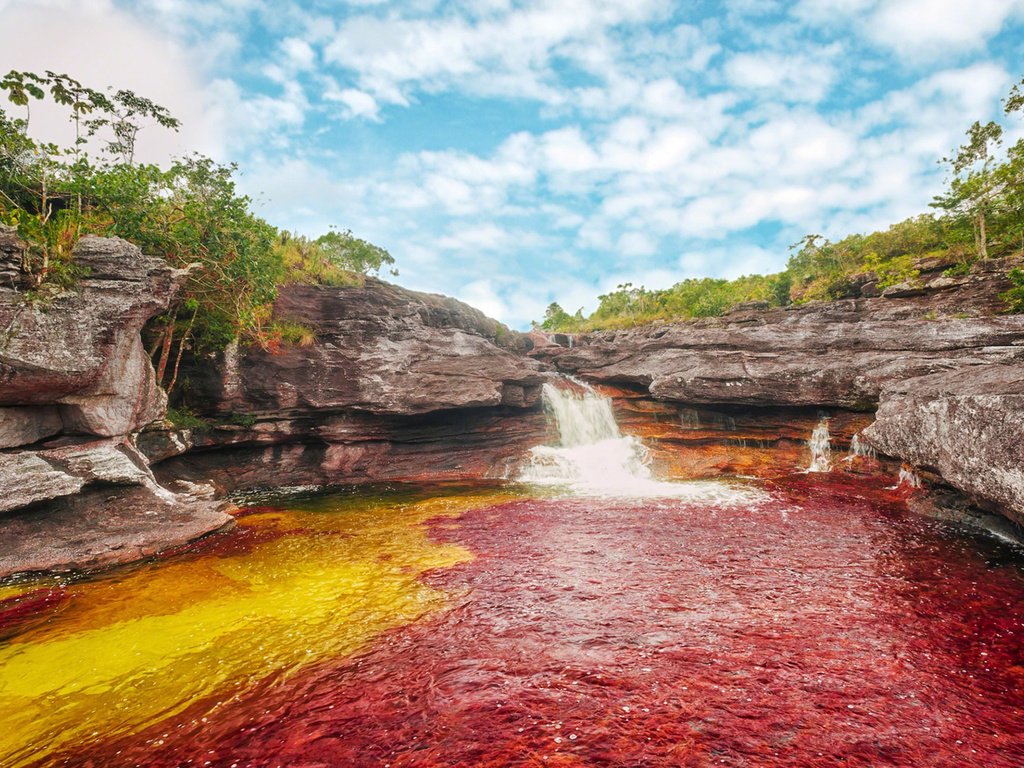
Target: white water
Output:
[(593, 458), (909, 478), (859, 449), (821, 448)]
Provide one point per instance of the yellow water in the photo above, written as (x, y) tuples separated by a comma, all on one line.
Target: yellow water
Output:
[(134, 646)]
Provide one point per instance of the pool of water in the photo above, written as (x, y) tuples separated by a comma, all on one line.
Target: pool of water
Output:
[(812, 621)]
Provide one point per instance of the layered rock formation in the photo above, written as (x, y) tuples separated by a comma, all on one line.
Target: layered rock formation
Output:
[(838, 354), (741, 393), (398, 385), (75, 385)]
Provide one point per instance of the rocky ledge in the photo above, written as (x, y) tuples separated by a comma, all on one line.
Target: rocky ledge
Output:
[(75, 387), (741, 393), (838, 354), (966, 427), (396, 385)]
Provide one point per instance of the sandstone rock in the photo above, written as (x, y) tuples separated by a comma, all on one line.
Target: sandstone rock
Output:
[(870, 290), (30, 477), (28, 424), (399, 385), (836, 354), (966, 425), (82, 350), (379, 348), (99, 528)]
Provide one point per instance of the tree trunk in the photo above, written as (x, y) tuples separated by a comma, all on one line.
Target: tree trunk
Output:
[(982, 237), (165, 350), (181, 348)]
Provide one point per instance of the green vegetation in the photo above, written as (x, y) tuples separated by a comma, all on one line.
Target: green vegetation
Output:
[(190, 213), (980, 215)]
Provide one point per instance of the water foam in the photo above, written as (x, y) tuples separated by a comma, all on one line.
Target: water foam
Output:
[(593, 458)]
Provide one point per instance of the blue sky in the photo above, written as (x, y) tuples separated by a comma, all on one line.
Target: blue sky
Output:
[(515, 153)]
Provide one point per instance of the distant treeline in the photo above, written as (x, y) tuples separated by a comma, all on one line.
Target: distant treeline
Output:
[(980, 215)]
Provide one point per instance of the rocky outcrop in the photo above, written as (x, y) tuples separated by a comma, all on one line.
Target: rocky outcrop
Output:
[(965, 426), (398, 385), (75, 387), (379, 349), (77, 356), (741, 393), (836, 354)]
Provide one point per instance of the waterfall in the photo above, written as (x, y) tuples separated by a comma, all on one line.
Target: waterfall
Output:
[(860, 449), (821, 450), (908, 478), (593, 458)]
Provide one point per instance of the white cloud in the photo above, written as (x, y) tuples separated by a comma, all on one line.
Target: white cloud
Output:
[(496, 51), (932, 27), (356, 103), (101, 46), (794, 78)]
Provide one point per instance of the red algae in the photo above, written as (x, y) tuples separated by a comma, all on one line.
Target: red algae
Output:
[(827, 626)]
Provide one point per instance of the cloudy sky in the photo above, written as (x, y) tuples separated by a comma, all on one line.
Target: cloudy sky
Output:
[(515, 153)]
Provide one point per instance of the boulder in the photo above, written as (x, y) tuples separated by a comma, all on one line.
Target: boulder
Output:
[(965, 425)]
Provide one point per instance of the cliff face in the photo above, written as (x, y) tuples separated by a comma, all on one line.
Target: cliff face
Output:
[(75, 385), (398, 385), (965, 426), (836, 354), (741, 394)]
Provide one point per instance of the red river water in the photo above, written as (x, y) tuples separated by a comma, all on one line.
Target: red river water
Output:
[(825, 626)]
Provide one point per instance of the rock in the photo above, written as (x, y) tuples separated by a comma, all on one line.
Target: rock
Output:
[(870, 290), (28, 424), (834, 354), (939, 263), (905, 290), (82, 350), (379, 348), (42, 475), (966, 425), (99, 528), (398, 385), (12, 255)]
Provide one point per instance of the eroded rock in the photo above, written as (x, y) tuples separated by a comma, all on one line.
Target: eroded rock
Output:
[(966, 425)]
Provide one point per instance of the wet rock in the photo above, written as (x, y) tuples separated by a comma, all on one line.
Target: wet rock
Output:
[(99, 528), (966, 425)]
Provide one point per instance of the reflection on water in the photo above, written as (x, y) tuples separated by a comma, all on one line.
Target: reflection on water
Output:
[(827, 626)]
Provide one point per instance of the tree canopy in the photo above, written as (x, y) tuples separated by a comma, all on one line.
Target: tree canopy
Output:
[(189, 212)]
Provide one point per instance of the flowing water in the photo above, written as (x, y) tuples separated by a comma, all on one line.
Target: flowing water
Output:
[(811, 621), (821, 448)]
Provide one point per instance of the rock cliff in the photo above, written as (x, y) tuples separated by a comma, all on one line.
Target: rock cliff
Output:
[(965, 426), (741, 393), (398, 385), (75, 387), (836, 354)]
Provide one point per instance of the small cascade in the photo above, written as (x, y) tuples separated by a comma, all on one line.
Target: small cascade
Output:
[(908, 478), (860, 449), (821, 448), (594, 458)]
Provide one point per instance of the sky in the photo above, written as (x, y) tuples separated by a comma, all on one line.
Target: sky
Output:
[(517, 153)]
